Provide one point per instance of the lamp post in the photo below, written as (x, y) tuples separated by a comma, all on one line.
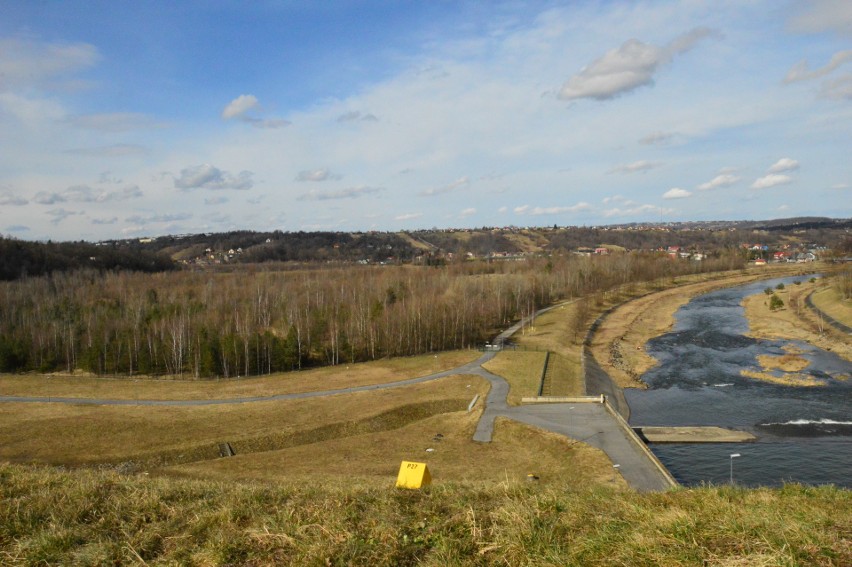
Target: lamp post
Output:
[(733, 456)]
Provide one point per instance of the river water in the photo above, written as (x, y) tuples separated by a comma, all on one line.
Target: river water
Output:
[(804, 434)]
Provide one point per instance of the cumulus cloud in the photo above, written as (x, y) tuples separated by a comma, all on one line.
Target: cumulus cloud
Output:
[(784, 164), (467, 212), (10, 199), (408, 216), (771, 180), (357, 116), (635, 167), (349, 193), (627, 68), (238, 109), (317, 175), (676, 193), (455, 185), (60, 215), (206, 176), (239, 106), (29, 63), (723, 180)]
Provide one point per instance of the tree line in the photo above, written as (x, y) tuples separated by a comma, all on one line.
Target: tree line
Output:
[(252, 321)]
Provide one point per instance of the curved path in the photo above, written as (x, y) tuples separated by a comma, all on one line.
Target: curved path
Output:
[(586, 422)]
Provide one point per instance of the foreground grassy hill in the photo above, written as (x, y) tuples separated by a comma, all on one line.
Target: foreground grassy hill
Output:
[(86, 517)]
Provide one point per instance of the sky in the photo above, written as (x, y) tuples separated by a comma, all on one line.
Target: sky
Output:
[(123, 119)]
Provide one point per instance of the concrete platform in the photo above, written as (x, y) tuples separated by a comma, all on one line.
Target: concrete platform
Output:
[(692, 435)]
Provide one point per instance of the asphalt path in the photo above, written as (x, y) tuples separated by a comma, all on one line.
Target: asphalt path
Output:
[(585, 422)]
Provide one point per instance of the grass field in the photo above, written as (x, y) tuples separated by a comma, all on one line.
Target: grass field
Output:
[(795, 320), (52, 517), (327, 378), (521, 369), (828, 300)]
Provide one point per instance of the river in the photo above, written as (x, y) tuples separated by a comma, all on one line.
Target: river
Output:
[(804, 434)]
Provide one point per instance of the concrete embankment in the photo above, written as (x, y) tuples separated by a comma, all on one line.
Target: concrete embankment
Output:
[(692, 435)]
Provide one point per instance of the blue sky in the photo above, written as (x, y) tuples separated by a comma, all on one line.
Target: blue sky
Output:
[(125, 119)]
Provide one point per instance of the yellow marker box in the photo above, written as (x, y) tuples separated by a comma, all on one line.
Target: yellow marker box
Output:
[(413, 475)]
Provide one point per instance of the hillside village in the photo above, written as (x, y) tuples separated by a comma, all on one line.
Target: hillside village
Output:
[(761, 243)]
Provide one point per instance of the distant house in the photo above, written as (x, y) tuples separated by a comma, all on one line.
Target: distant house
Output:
[(760, 262), (601, 251)]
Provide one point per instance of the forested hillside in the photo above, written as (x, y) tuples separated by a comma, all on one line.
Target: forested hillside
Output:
[(20, 258), (201, 323)]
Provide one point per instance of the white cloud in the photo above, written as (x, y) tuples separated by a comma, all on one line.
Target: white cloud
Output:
[(676, 193), (115, 150), (624, 69), (635, 167), (60, 215), (26, 63), (239, 106), (723, 180), (408, 216), (206, 176), (316, 175), (215, 200), (467, 212), (161, 218), (349, 193), (838, 89), (521, 210), (784, 164), (538, 211), (802, 72), (771, 180), (457, 184), (113, 121), (85, 194), (635, 211), (357, 116), (502, 210), (840, 186), (656, 138), (824, 15), (9, 199)]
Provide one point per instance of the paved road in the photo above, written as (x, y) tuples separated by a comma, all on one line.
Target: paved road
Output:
[(586, 422)]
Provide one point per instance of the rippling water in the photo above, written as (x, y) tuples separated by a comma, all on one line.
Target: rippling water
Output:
[(804, 434)]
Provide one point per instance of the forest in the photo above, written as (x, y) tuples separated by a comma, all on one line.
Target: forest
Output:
[(257, 321)]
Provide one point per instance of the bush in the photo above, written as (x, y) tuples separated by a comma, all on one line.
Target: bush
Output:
[(775, 302), (779, 286), (768, 291)]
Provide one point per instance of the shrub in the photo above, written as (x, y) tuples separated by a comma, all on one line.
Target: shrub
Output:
[(775, 302)]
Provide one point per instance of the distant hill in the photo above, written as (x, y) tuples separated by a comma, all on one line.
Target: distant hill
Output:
[(434, 246)]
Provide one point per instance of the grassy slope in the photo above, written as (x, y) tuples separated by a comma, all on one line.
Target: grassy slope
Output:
[(327, 378), (84, 517)]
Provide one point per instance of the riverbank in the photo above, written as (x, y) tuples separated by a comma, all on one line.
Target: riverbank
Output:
[(795, 320), (619, 341)]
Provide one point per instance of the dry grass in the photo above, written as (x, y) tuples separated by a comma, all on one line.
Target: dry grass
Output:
[(795, 321), (373, 459), (828, 300), (521, 369), (327, 378), (553, 331), (50, 517), (786, 362), (785, 379), (152, 435)]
